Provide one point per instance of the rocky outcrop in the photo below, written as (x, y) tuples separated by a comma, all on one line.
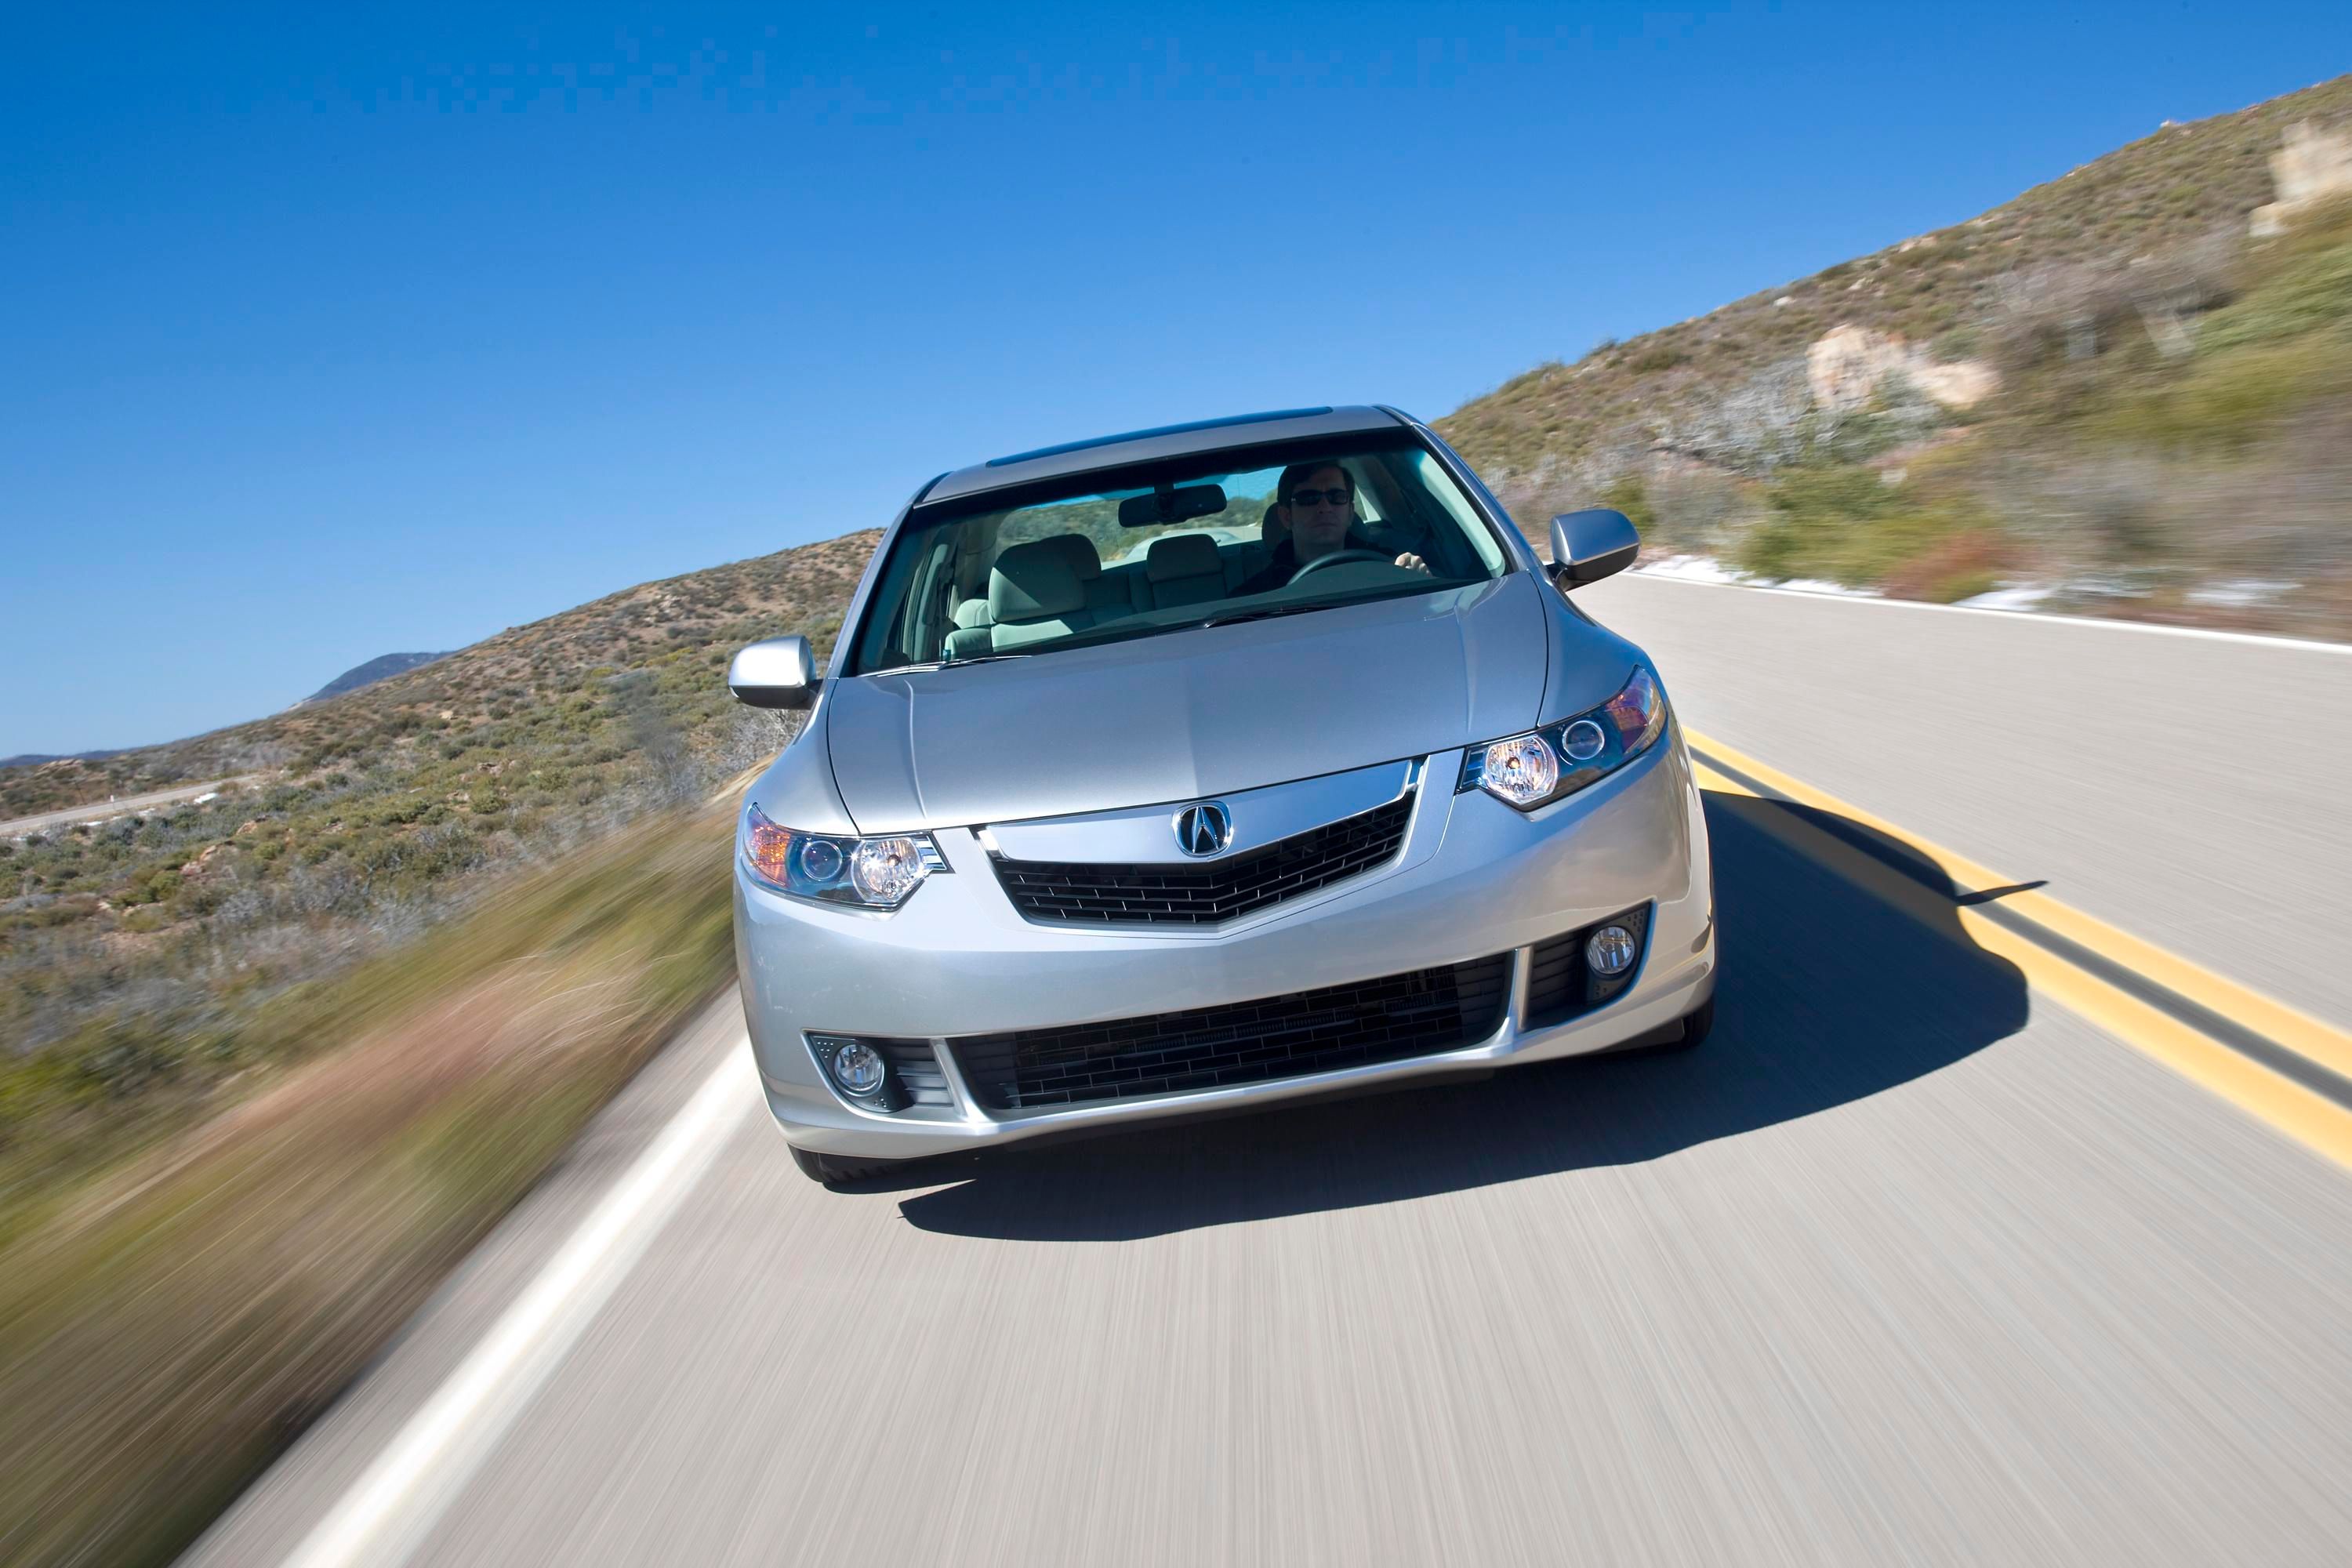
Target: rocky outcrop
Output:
[(2310, 167), (1847, 367)]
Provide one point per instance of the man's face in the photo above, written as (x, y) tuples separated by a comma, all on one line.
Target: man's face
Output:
[(1319, 510)]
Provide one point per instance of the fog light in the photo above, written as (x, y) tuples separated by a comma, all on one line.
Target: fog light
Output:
[(1611, 951), (857, 1069)]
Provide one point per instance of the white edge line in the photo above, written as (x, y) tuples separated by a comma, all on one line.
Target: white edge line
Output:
[(2257, 638), (387, 1512)]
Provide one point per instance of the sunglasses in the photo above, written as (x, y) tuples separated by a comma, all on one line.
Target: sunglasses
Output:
[(1320, 497)]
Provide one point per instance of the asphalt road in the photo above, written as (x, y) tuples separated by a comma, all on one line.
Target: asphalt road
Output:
[(2191, 789), (1908, 1263), (105, 810)]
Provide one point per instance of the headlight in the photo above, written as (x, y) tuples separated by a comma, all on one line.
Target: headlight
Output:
[(1542, 765), (869, 873)]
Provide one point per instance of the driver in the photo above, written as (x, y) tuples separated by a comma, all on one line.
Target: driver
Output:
[(1315, 503)]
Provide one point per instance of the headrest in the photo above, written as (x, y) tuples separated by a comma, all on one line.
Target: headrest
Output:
[(1030, 581), (1183, 555), (972, 613), (1081, 552)]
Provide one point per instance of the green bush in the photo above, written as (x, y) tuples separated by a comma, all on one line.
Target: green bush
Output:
[(1957, 344), (2313, 290), (152, 887), (2225, 401), (1843, 524), (1628, 494)]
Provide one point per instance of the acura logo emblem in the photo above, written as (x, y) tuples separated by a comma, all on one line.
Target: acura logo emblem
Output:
[(1203, 829)]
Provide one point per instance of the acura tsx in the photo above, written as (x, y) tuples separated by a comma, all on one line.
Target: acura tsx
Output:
[(1237, 762)]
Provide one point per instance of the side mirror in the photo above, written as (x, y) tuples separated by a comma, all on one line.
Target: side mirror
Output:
[(779, 672), (1587, 546)]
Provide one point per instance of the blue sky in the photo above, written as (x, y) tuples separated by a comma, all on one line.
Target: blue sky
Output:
[(326, 336)]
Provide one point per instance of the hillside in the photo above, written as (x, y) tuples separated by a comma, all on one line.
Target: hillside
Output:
[(273, 1063), (381, 667), (492, 693), (2109, 384), (133, 954)]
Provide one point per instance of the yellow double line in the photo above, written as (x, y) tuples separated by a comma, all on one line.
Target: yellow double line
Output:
[(2284, 1065)]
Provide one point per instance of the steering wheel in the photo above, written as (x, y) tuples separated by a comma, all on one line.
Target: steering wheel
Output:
[(1334, 559)]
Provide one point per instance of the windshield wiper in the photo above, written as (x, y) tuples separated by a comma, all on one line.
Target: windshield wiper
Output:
[(945, 663), (975, 659), (1267, 613)]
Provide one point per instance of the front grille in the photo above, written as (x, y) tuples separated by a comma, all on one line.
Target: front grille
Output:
[(1210, 892), (1389, 1019), (1561, 986)]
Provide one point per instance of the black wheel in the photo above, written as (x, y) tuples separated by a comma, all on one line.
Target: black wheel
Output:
[(831, 1169)]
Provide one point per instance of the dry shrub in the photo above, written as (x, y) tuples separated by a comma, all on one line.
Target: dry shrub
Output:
[(172, 1328), (1958, 566)]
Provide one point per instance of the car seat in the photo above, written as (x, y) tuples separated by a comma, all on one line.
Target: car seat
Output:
[(1184, 568), (1109, 594), (1035, 591), (970, 635)]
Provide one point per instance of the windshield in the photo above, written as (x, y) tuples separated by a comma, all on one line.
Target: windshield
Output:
[(1210, 539)]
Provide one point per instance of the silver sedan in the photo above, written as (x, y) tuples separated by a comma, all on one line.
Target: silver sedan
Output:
[(1218, 765)]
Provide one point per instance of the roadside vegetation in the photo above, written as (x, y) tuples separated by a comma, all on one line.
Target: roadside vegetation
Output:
[(177, 1314), (136, 954), (2159, 423), (269, 1064)]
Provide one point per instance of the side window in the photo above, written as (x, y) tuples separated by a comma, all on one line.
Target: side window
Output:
[(1371, 478), (1247, 497), (927, 607), (1439, 484)]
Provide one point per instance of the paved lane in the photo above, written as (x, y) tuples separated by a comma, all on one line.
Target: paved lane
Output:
[(2188, 789), (1905, 1263), (104, 810)]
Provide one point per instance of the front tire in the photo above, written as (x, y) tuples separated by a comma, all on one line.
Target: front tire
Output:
[(832, 1170)]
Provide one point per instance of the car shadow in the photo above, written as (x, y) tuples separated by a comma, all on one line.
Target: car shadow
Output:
[(1827, 995)]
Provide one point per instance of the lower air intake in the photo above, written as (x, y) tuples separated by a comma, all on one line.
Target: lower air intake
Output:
[(1399, 1016)]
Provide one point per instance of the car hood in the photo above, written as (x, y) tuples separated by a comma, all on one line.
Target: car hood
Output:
[(1193, 713)]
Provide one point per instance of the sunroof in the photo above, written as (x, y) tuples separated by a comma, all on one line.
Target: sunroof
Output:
[(1148, 435)]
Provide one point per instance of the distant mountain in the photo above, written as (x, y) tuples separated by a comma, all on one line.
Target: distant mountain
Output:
[(381, 667), (28, 759)]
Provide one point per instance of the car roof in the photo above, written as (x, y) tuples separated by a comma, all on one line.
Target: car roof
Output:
[(1149, 445)]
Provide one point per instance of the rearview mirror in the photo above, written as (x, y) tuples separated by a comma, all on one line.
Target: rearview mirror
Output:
[(779, 672), (1171, 504), (1587, 546)]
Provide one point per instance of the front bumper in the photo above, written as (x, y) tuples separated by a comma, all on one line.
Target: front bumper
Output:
[(1474, 878)]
